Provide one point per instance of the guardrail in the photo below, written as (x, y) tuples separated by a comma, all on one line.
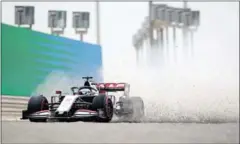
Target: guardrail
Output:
[(12, 106)]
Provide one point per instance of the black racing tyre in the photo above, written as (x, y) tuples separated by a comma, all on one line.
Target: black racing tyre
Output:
[(137, 108), (104, 103), (35, 104)]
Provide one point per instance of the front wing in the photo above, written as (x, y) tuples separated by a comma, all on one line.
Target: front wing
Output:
[(47, 114)]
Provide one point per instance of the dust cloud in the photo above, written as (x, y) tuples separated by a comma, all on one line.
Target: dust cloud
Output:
[(181, 88), (60, 80)]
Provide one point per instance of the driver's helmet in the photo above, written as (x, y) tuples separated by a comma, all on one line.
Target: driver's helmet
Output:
[(94, 86)]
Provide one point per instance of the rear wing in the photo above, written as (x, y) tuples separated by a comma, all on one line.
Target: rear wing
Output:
[(114, 87)]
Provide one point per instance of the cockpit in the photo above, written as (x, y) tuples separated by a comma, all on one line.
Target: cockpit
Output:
[(85, 90)]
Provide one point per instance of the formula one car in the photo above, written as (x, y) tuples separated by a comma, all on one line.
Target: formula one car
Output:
[(91, 102)]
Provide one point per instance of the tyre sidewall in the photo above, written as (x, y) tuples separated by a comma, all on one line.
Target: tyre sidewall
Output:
[(103, 102), (35, 104)]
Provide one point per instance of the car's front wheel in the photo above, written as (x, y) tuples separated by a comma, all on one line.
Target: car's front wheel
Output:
[(35, 104)]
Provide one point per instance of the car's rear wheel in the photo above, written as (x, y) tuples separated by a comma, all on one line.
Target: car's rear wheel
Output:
[(135, 106), (35, 104), (105, 104), (138, 109)]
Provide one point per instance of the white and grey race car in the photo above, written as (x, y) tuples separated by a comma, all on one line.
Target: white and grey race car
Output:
[(91, 102)]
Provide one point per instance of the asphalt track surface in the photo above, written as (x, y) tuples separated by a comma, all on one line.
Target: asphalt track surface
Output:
[(116, 132)]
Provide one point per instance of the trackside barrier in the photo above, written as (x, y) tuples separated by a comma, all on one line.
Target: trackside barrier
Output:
[(12, 106)]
